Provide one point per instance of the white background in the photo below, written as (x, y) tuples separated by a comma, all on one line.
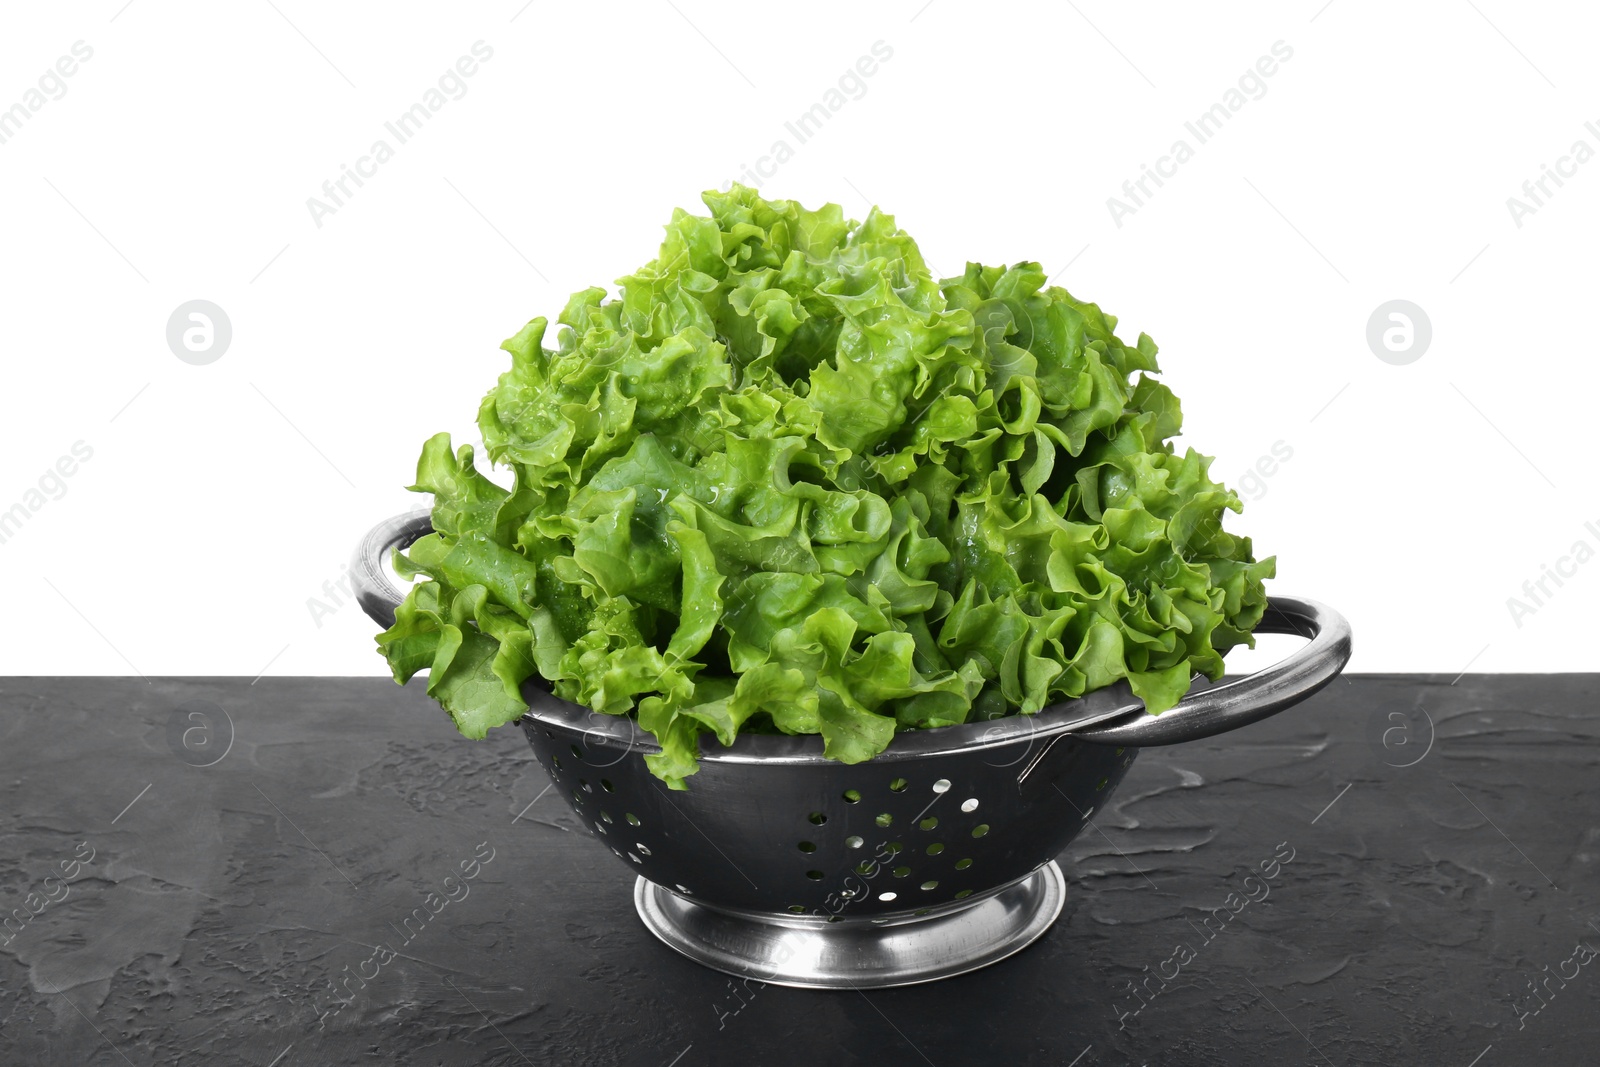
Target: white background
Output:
[(1377, 166)]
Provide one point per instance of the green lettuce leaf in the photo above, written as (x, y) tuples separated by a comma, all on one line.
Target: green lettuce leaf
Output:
[(787, 481)]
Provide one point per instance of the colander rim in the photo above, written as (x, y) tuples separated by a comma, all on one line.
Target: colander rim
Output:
[(1112, 702), (1112, 715)]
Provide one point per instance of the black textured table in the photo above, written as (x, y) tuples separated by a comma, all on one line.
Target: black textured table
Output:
[(320, 871)]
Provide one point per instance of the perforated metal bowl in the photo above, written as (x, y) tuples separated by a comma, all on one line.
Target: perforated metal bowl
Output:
[(932, 859)]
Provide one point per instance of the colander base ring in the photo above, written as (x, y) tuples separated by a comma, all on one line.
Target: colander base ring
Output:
[(856, 955)]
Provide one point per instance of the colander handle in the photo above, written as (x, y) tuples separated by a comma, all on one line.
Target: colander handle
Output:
[(1219, 708), (374, 592)]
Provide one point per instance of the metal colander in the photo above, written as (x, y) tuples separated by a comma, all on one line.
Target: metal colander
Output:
[(934, 858)]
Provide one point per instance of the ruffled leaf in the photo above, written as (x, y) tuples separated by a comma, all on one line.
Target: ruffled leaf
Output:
[(786, 481)]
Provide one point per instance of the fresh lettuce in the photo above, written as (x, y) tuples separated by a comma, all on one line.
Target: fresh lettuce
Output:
[(787, 481)]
